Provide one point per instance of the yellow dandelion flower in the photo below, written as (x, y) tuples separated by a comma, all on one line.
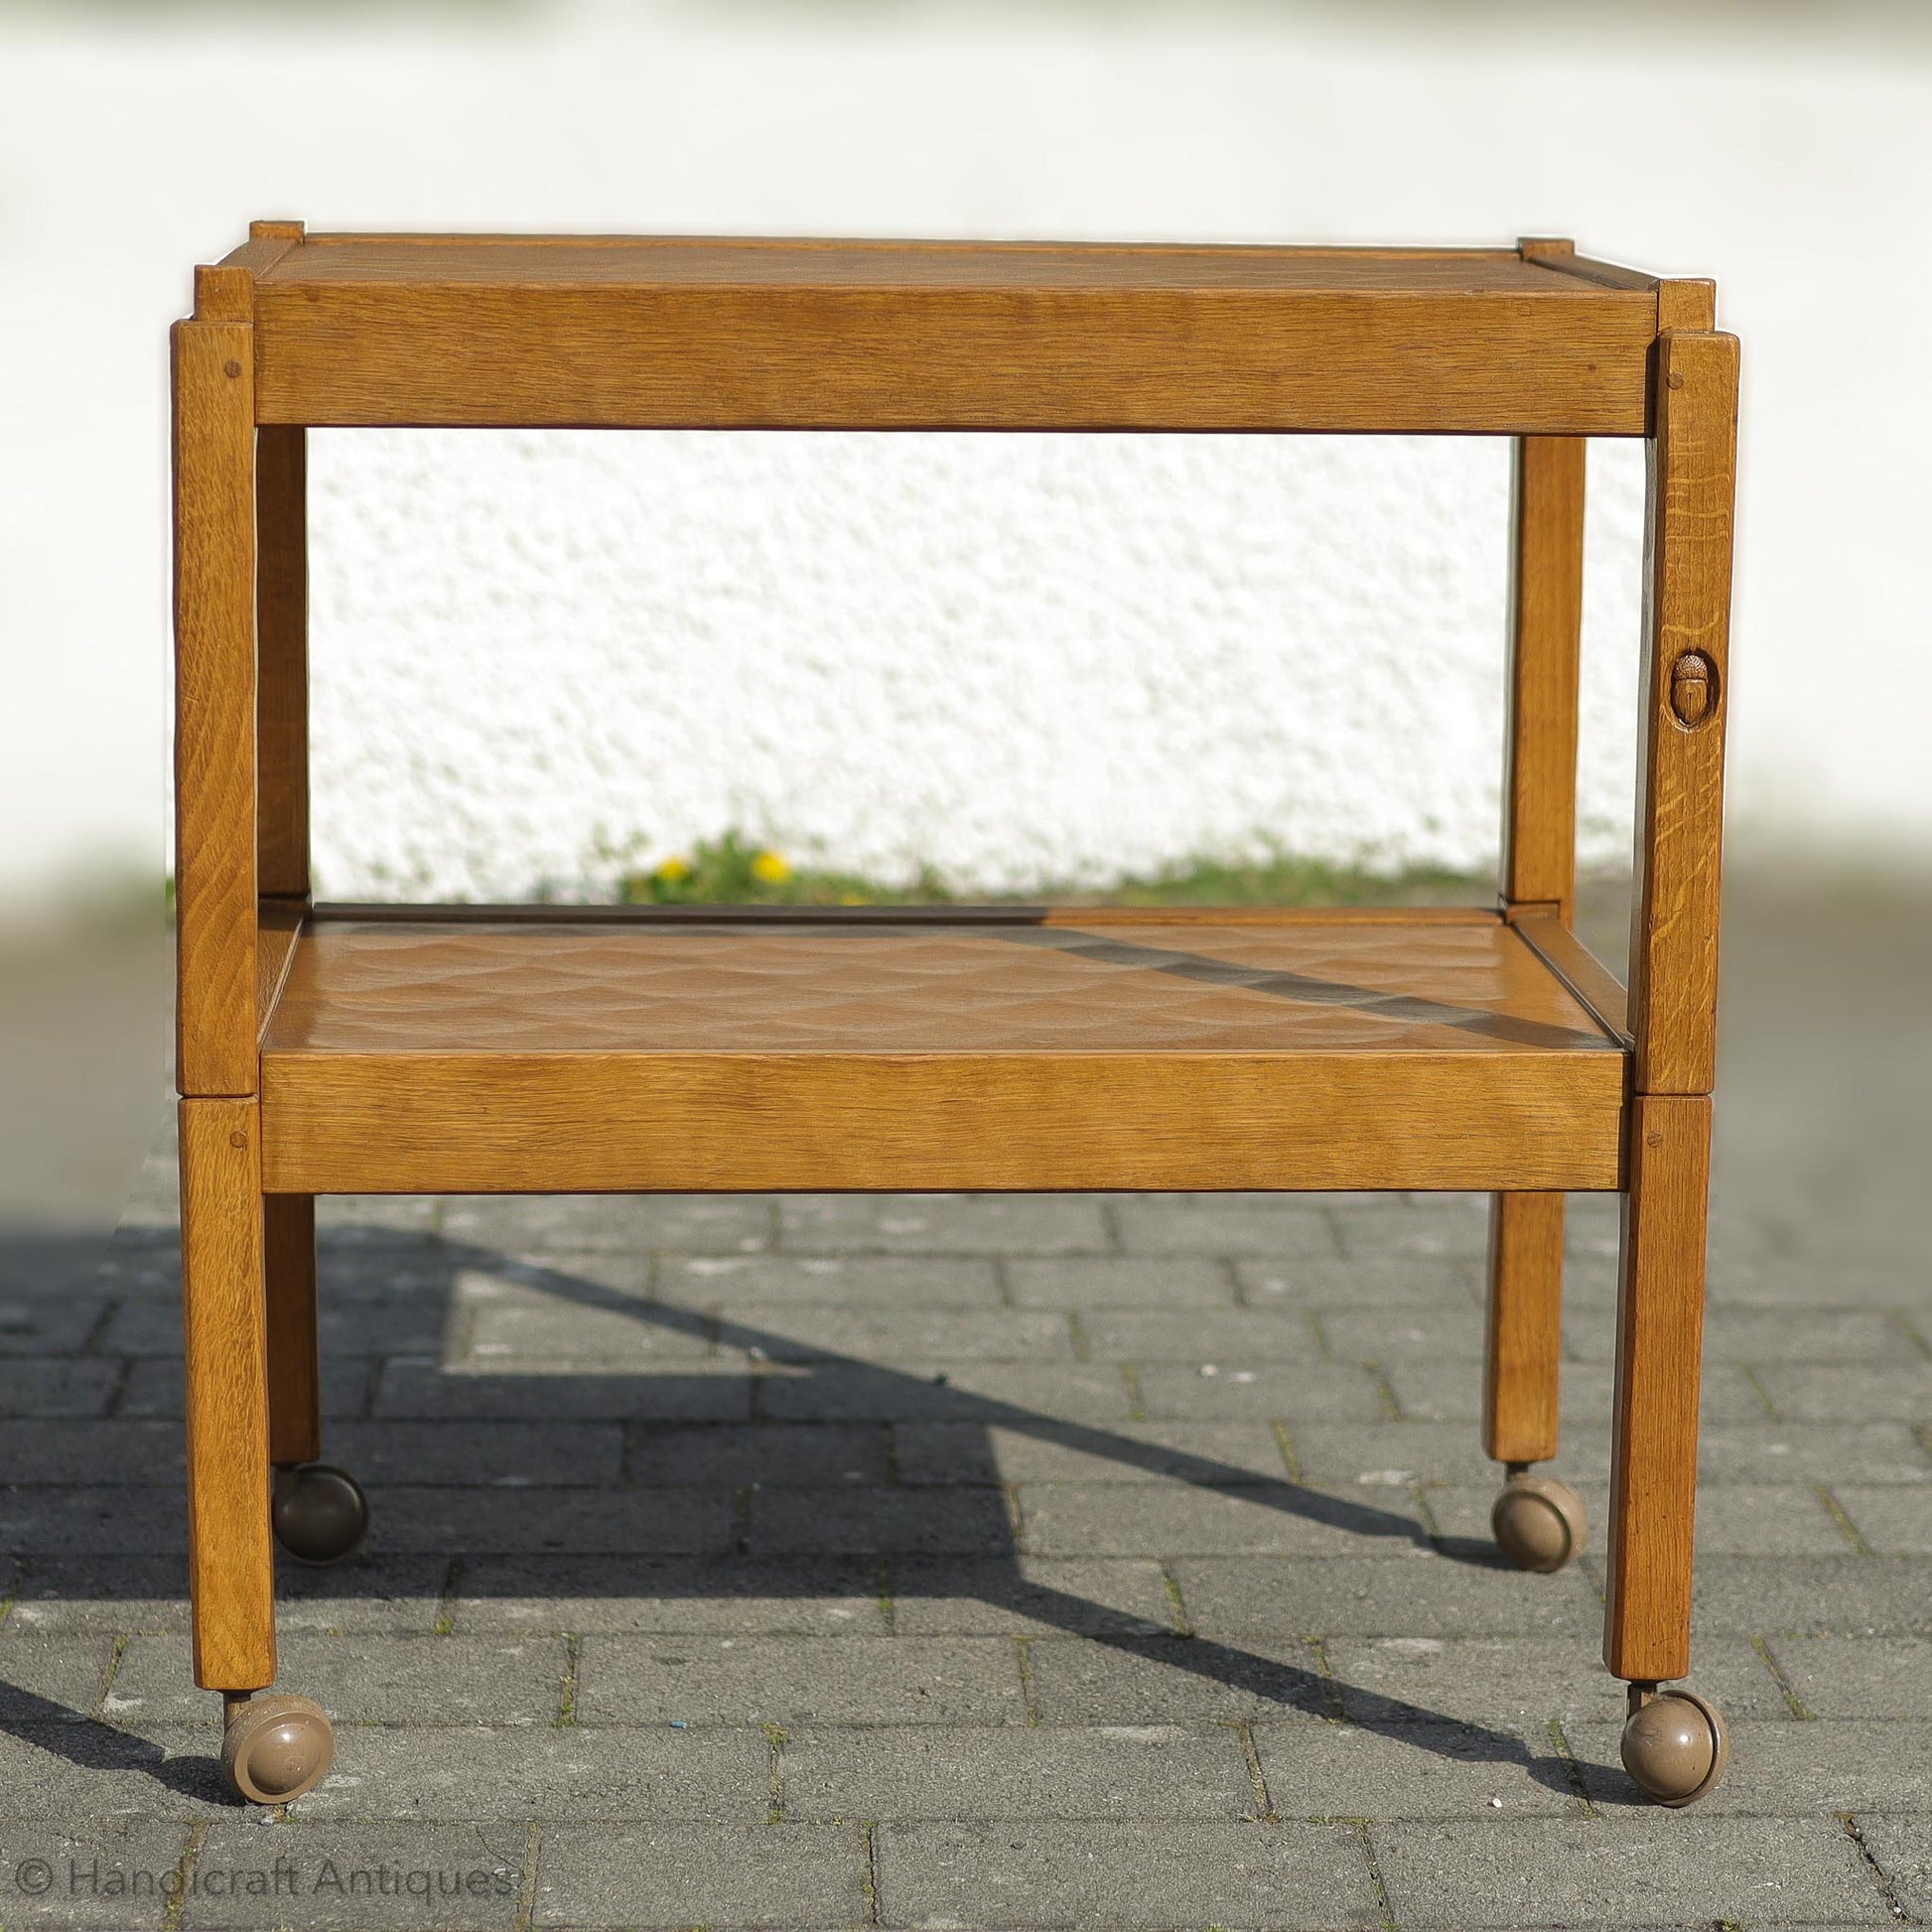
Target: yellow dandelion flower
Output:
[(770, 869), (674, 868), (853, 898)]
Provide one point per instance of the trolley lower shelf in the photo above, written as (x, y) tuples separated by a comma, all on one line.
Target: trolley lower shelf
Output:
[(471, 1049)]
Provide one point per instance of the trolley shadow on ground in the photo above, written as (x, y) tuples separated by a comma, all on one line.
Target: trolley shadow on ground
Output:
[(671, 1396)]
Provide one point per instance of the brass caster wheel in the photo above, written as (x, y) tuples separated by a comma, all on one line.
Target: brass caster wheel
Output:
[(320, 1512), (1538, 1522), (1674, 1744), (275, 1747)]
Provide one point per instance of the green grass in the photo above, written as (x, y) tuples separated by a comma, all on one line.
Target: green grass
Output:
[(737, 871)]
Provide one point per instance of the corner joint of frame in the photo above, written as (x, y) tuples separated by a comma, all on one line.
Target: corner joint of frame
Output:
[(1687, 307), (1516, 911), (224, 294)]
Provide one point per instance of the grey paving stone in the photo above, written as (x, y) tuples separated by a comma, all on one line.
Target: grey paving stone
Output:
[(1859, 1676), (1520, 1682), (795, 1681), (955, 1453), (1426, 1393), (1826, 1281), (153, 1386), (653, 1594), (1734, 1335), (1122, 1874), (1233, 1339), (1758, 1519), (545, 1772), (1835, 1392), (371, 1591), (324, 1876), (375, 1328), (60, 1450), (51, 1678), (1167, 1680), (343, 1217), (1299, 1391), (689, 1391), (579, 1521), (1274, 1225), (1037, 1596), (1801, 1770), (1371, 1455), (361, 1680), (702, 1874), (540, 1327), (1364, 1281), (784, 1454), (1444, 1224), (1142, 1772), (1121, 1281), (905, 1334), (130, 1273), (67, 1772), (1843, 1594), (1434, 1335), (957, 1224), (1107, 1519), (105, 1872), (1414, 1594), (1837, 1453), (1893, 1521), (55, 1324), (494, 1453), (91, 1520), (783, 1282), (102, 1593), (931, 1391), (1394, 1770), (1626, 1871), (610, 1278), (38, 1386), (864, 1522), (1900, 1847), (615, 1223)]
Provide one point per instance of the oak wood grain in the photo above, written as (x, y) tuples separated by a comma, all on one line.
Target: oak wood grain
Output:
[(1680, 806), (433, 1056), (215, 707), (689, 334), (994, 914), (690, 1123), (1522, 1360), (1598, 989), (1660, 1330), (230, 1564), (847, 990), (282, 645), (294, 1362), (1546, 617), (277, 924)]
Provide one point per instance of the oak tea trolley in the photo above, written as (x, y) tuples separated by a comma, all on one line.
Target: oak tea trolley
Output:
[(421, 1050)]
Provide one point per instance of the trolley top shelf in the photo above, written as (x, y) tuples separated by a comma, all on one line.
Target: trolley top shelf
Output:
[(626, 332)]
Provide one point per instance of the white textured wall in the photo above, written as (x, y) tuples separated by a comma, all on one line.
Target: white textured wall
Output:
[(1018, 659), (1076, 662)]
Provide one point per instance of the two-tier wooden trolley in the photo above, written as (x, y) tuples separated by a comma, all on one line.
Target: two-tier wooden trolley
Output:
[(424, 1050)]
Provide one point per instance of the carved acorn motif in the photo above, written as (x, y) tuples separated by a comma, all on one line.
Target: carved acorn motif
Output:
[(1693, 688)]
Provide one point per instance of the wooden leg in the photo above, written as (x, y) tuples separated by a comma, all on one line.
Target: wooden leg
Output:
[(294, 1368), (1660, 1334), (230, 1564), (1524, 1350)]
